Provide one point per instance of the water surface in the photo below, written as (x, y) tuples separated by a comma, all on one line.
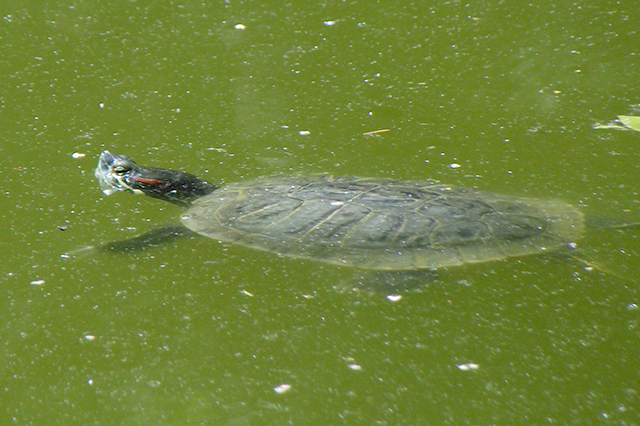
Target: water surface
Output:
[(499, 96)]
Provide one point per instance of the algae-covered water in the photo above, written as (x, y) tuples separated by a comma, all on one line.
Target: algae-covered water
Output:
[(499, 96)]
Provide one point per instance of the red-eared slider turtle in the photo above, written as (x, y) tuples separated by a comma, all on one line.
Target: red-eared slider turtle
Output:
[(374, 224)]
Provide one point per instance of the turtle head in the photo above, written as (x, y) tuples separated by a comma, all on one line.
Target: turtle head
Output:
[(120, 173)]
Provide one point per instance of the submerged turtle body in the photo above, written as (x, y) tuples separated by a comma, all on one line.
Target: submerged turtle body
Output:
[(368, 223), (381, 224)]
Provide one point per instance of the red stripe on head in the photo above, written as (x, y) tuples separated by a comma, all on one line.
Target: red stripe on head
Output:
[(154, 182)]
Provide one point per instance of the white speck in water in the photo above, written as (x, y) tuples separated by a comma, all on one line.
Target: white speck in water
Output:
[(304, 132), (90, 337), (78, 155), (221, 150), (283, 388), (239, 27), (329, 23), (394, 297), (355, 367), (468, 366), (37, 282), (455, 165)]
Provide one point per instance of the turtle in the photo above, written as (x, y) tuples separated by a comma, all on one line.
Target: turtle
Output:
[(371, 224)]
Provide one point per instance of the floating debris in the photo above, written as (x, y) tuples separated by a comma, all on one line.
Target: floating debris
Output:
[(239, 27), (630, 121), (394, 297), (355, 367), (283, 388), (37, 282), (623, 122), (78, 155), (375, 132)]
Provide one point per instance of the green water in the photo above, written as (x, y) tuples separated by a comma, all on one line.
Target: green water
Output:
[(198, 333)]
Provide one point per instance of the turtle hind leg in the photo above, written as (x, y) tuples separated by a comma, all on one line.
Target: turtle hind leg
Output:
[(390, 281)]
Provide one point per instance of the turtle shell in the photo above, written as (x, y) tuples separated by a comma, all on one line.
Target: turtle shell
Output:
[(382, 224)]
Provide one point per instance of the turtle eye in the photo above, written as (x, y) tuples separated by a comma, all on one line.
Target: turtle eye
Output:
[(120, 170)]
